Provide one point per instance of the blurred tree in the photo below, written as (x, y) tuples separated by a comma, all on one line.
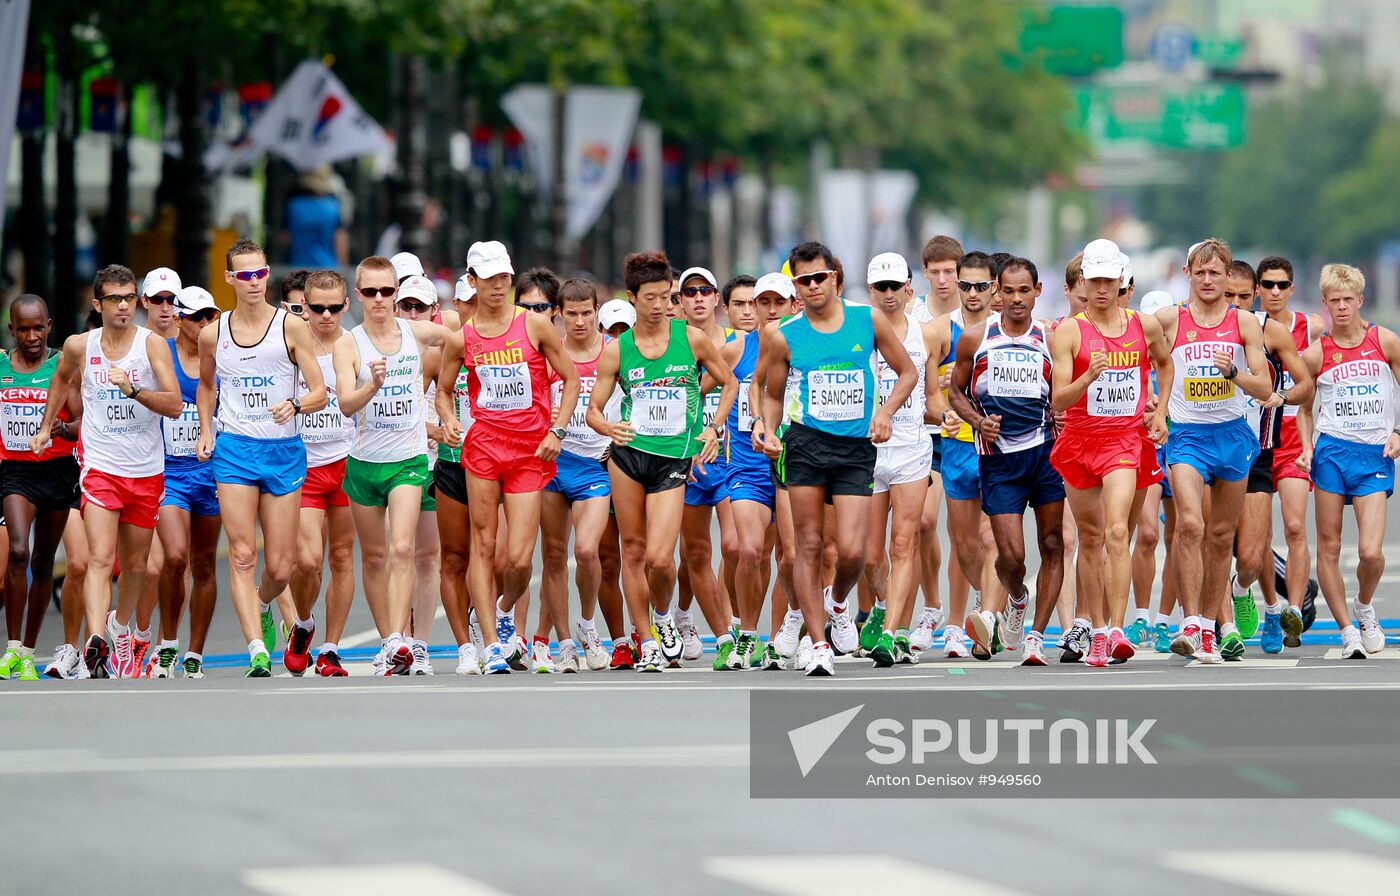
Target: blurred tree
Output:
[(1359, 206)]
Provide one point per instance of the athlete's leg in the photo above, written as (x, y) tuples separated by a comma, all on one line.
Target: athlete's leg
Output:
[(930, 551), (1293, 501), (554, 560), (1009, 531), (808, 510), (311, 560), (101, 527), (522, 528), (1170, 588), (371, 532), (454, 537), (150, 589), (1049, 528), (877, 561), (340, 594), (173, 530), (750, 558), (19, 515), (1069, 587), (1254, 559), (787, 550), (664, 511), (133, 547), (1188, 494), (1088, 508), (1149, 535), (610, 589), (75, 551), (1370, 545), (402, 512), (204, 547), (590, 520), (1226, 506), (1329, 554), (906, 510), (1122, 503), (238, 504), (965, 542), (698, 553), (427, 576)]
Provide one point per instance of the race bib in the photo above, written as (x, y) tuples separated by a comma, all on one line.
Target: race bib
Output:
[(834, 396), (1289, 410), (711, 406), (182, 433), (1115, 393), (578, 420), (1015, 374), (1207, 389), (906, 414), (21, 421), (658, 410), (745, 410), (504, 387)]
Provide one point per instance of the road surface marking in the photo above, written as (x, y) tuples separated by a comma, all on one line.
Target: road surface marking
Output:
[(1367, 825), (1291, 872), (364, 880), (828, 875)]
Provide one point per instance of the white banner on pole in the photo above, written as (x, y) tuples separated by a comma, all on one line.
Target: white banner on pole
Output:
[(598, 126), (311, 121), (14, 27), (863, 214)]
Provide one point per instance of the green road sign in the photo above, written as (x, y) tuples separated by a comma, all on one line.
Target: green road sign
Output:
[(1074, 40), (1205, 117)]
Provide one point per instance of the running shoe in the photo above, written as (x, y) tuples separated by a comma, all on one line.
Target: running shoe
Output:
[(872, 629), (668, 636), (377, 663), (1098, 651), (1138, 633), (652, 660), (1271, 637), (286, 629), (980, 627), (1372, 635), (622, 657), (1119, 647), (260, 666), (1162, 638), (593, 653), (691, 648), (269, 628), (787, 636), (95, 656), (297, 656), (421, 664), (724, 649), (1352, 648), (474, 632), (64, 664), (9, 664), (194, 667), (771, 661), (803, 657), (1232, 647), (540, 660), (328, 665), (121, 661), (505, 625), (883, 652), (494, 662), (1209, 653), (1246, 612), (844, 636), (27, 672), (821, 663), (1187, 642), (517, 653), (1012, 623), (468, 660), (140, 649), (398, 657), (930, 618), (1292, 624), (163, 663), (568, 657), (1033, 649), (745, 651), (954, 643), (904, 653), (1074, 643)]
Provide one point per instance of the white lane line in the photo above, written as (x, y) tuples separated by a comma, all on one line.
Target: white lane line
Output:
[(1335, 653), (1293, 872), (364, 880), (828, 875), (660, 756)]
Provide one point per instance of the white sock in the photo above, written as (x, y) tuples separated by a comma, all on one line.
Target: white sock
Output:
[(1142, 614), (1099, 630), (191, 655), (879, 604), (164, 645), (500, 612), (419, 642), (1235, 589), (1190, 621), (1116, 630), (393, 637), (586, 625), (1273, 609), (1226, 628), (1019, 602), (13, 645), (143, 634), (25, 651), (256, 647), (306, 624), (735, 622), (1163, 619), (1081, 622), (1207, 625), (683, 616), (330, 647), (723, 638)]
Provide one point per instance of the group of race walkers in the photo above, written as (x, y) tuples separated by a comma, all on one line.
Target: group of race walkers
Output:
[(827, 434)]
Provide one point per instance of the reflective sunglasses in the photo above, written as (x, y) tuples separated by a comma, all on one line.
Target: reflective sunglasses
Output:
[(537, 307), (370, 292), (246, 276), (160, 300), (691, 292), (324, 309), (413, 306), (887, 286), (978, 286), (127, 297), (1280, 285), (816, 278)]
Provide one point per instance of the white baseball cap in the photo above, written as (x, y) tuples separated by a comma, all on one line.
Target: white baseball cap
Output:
[(1127, 268), (464, 291), (193, 299), (161, 280), (406, 264), (1102, 258), (697, 272), (887, 266), (617, 311), (418, 287), (488, 259), (1155, 301), (778, 283)]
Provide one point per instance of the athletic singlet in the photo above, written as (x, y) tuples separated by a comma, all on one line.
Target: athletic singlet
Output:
[(1356, 391), (661, 396), (328, 433), (121, 435), (1116, 400), (711, 402), (508, 380), (908, 421), (1200, 394), (739, 427), (1011, 377), (835, 373), (1266, 423), (579, 437), (22, 400), (182, 433), (390, 428), (464, 416), (253, 379), (945, 368), (1301, 330)]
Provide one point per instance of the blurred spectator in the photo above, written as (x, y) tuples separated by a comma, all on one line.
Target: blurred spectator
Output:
[(315, 223)]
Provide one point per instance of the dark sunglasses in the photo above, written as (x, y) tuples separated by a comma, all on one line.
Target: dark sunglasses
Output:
[(537, 307), (202, 316), (326, 309), (370, 292), (816, 278), (160, 300), (979, 286), (887, 286), (118, 297), (1280, 285), (413, 306), (246, 276), (691, 292)]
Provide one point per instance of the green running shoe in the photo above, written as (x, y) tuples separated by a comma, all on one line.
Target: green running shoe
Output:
[(1246, 615), (1232, 646), (771, 661), (744, 652), (194, 668), (906, 654), (269, 629), (27, 672), (997, 646), (1162, 638), (164, 666), (873, 628), (723, 649), (884, 652), (259, 666), (9, 664)]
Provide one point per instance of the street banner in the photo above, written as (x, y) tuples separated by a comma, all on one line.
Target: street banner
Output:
[(863, 214), (14, 26)]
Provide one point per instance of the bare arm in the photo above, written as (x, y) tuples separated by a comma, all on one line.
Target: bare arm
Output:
[(299, 340), (620, 432), (989, 427), (1066, 391), (1280, 342), (1390, 344), (718, 371), (429, 334), (166, 400), (775, 375), (1256, 382), (539, 328), (449, 364), (896, 356), (64, 382), (207, 395), (1165, 369), (345, 355)]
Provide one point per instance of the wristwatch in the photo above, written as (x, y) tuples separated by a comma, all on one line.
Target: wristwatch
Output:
[(135, 391), (1282, 394), (1234, 372), (296, 405), (719, 430), (558, 432)]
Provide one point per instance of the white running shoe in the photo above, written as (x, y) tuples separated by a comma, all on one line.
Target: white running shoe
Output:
[(827, 602), (930, 618), (568, 657), (1033, 650), (785, 641), (845, 637), (668, 636), (820, 665), (1352, 647), (468, 660), (421, 664), (651, 660), (540, 660), (65, 663), (691, 648), (474, 630), (378, 662), (804, 653), (1372, 635), (1013, 622), (955, 643), (981, 626), (593, 653)]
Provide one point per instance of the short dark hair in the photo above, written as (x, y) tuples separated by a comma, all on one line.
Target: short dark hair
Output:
[(112, 275), (942, 248), (577, 289), (811, 251), (29, 300), (999, 260), (542, 279), (1015, 262), (244, 246), (641, 268), (295, 280), (1240, 268), (975, 259), (733, 284), (1276, 263)]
